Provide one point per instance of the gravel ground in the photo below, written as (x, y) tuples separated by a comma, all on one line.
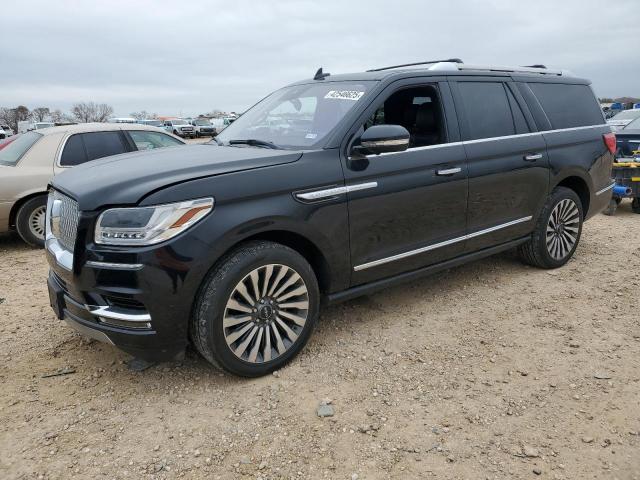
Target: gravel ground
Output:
[(489, 370)]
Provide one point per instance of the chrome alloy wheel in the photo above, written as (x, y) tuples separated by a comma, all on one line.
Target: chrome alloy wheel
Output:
[(36, 222), (266, 313), (563, 229)]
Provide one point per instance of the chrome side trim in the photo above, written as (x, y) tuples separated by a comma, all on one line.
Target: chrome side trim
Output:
[(113, 266), (417, 149), (434, 246), (599, 192), (115, 314), (490, 139), (319, 194), (361, 186), (386, 143), (63, 257), (332, 192)]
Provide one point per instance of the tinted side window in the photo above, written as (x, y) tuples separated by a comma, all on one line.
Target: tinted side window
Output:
[(568, 106), (103, 144), (73, 153), (487, 110)]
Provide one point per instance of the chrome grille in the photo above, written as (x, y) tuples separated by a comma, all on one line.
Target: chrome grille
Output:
[(68, 226)]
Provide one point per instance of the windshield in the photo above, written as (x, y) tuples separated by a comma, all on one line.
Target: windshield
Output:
[(635, 125), (179, 122), (202, 123), (12, 153), (153, 123), (299, 116), (628, 115)]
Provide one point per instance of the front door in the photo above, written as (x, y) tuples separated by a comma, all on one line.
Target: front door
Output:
[(408, 209)]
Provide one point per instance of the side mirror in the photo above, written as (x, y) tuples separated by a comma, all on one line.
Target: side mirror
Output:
[(384, 139)]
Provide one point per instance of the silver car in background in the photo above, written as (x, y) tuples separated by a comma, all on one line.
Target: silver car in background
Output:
[(28, 163)]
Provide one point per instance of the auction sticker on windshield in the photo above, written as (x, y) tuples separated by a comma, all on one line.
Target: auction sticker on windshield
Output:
[(344, 95)]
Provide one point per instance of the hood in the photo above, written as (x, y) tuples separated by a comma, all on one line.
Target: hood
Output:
[(127, 178)]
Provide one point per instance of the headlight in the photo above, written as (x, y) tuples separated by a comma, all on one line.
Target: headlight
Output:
[(149, 225)]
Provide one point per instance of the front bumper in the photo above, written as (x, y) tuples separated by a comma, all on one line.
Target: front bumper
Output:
[(139, 300)]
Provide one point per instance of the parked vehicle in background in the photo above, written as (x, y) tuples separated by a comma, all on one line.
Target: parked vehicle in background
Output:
[(203, 127), (180, 127), (28, 163), (5, 132), (622, 119), (123, 120), (28, 125), (628, 142), (221, 123), (6, 141), (366, 180), (152, 122)]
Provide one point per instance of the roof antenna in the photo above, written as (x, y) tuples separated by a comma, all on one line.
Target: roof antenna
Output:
[(319, 75)]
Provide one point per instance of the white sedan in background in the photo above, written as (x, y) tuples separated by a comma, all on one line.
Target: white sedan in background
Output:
[(28, 163)]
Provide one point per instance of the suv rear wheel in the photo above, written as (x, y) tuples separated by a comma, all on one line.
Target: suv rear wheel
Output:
[(256, 309), (557, 231), (30, 221)]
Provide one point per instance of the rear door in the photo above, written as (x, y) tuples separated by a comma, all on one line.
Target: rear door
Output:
[(508, 164), (83, 147)]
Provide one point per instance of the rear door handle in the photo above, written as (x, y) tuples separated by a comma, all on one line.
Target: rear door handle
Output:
[(532, 157), (448, 171)]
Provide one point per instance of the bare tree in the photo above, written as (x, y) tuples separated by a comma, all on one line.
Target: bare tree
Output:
[(11, 116), (91, 112), (141, 115), (57, 116), (40, 114)]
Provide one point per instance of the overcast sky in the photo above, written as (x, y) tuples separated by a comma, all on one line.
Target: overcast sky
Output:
[(185, 57)]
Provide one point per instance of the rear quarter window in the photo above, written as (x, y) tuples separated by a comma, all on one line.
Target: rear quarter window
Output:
[(568, 106), (14, 151)]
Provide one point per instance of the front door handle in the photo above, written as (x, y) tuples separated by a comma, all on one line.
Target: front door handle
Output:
[(448, 171), (532, 157)]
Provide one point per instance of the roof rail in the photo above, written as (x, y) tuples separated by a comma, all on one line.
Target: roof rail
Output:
[(450, 60), (539, 69)]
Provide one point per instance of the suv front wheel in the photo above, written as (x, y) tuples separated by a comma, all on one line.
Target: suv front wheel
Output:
[(557, 232), (256, 309)]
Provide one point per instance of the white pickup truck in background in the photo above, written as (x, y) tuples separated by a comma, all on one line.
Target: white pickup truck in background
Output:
[(5, 131), (28, 125)]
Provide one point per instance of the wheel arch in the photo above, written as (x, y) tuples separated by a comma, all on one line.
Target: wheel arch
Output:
[(576, 182), (301, 244), (16, 206)]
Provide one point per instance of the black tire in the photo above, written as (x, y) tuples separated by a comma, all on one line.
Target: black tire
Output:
[(28, 215), (611, 208), (197, 134), (635, 205), (207, 330), (536, 251)]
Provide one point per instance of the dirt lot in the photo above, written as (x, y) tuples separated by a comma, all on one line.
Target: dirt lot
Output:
[(490, 370)]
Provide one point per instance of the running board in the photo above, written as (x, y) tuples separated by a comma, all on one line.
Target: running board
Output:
[(368, 288)]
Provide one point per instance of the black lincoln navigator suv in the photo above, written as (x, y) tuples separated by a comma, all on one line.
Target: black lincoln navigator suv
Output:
[(326, 189)]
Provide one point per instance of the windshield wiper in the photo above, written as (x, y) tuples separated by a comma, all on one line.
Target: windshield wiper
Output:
[(253, 142)]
